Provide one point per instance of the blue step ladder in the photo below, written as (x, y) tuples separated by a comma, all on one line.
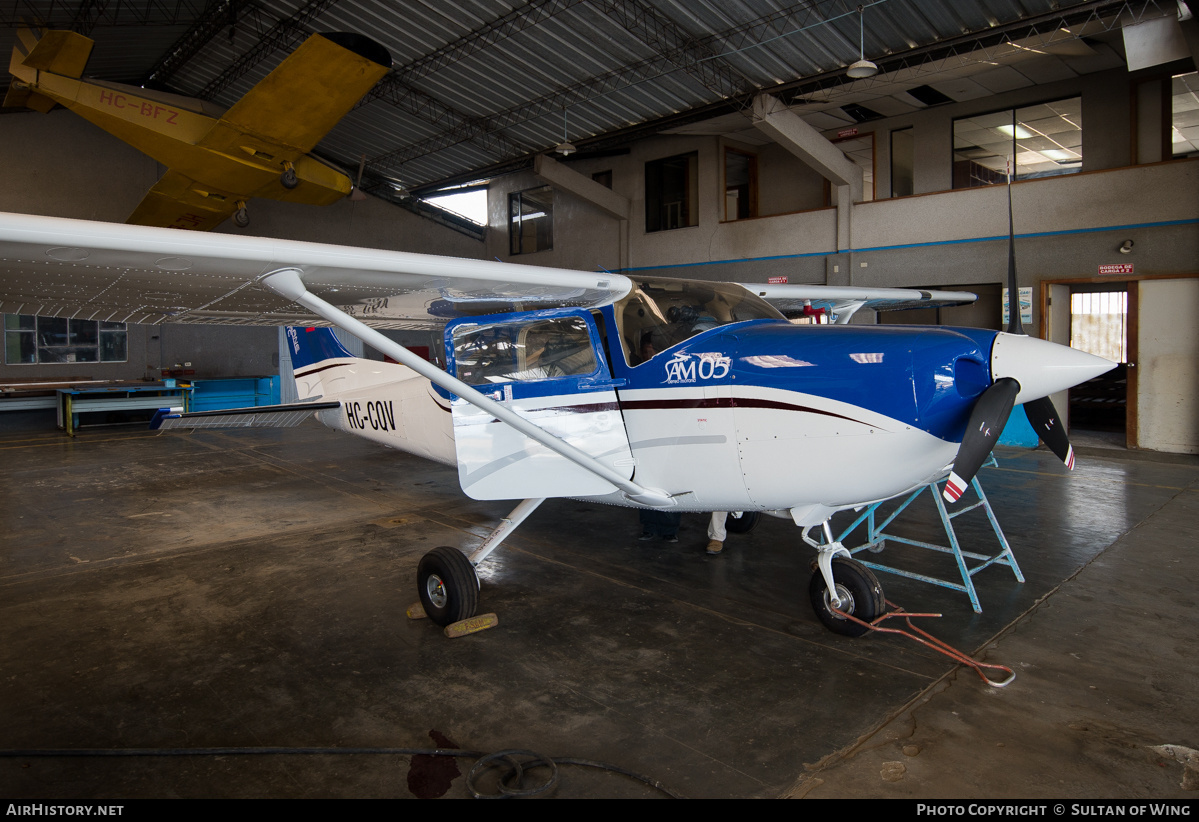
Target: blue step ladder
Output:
[(877, 536)]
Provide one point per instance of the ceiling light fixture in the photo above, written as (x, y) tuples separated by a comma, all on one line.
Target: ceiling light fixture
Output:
[(863, 67), (566, 147), (1017, 131)]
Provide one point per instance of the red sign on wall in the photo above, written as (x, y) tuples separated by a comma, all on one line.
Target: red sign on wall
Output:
[(776, 280), (1116, 268), (848, 132)]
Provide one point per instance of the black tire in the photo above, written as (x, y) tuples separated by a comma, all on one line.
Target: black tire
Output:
[(448, 585), (855, 582), (289, 179), (741, 524)]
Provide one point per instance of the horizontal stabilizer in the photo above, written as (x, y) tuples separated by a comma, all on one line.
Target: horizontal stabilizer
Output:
[(263, 416), (59, 52), (25, 98)]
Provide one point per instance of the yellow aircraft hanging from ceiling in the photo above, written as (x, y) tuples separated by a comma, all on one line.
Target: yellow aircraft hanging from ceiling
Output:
[(215, 163)]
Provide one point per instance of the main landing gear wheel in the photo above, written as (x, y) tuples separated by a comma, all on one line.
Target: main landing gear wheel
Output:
[(241, 217), (289, 178), (448, 585), (741, 523), (859, 592)]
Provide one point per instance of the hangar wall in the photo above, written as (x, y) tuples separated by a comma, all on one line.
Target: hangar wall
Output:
[(1168, 380), (1069, 225), (62, 166)]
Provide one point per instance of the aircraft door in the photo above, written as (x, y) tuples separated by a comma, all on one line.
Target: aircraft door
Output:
[(549, 367)]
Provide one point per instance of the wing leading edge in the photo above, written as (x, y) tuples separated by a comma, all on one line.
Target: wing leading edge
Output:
[(144, 274)]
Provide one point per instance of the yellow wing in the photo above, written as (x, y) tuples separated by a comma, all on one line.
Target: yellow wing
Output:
[(288, 112)]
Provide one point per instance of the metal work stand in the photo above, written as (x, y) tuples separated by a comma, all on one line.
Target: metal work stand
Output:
[(876, 538)]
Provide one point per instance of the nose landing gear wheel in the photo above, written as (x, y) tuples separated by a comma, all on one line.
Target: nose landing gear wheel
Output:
[(859, 592), (448, 585)]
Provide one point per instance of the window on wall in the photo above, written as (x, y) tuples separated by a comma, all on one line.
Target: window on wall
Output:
[(903, 163), (740, 184), (30, 340), (1046, 139), (1184, 116), (531, 220), (672, 192)]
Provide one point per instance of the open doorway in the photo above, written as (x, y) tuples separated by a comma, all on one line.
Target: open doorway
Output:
[(1099, 325), (1094, 317)]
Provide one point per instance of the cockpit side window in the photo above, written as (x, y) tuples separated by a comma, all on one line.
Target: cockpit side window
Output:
[(506, 352)]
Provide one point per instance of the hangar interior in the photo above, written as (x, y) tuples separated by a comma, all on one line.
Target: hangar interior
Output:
[(247, 589)]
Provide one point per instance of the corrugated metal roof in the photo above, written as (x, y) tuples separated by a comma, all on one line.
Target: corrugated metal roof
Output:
[(478, 84)]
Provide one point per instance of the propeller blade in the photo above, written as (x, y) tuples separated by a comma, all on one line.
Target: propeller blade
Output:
[(986, 424), (1045, 421)]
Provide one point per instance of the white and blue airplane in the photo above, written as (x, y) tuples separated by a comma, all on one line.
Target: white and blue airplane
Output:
[(639, 391)]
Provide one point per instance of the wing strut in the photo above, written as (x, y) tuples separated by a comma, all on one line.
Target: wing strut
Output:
[(287, 283)]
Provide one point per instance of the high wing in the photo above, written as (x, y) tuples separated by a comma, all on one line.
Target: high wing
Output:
[(842, 303), (142, 274)]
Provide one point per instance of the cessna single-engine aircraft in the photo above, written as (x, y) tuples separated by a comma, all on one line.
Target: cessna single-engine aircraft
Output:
[(638, 391), (215, 162)]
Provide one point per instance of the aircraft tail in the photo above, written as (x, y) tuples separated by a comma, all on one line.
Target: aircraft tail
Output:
[(311, 345), (64, 53)]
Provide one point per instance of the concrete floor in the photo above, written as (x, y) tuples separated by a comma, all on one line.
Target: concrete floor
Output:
[(248, 589)]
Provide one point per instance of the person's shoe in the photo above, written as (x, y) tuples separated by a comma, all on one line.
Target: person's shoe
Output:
[(670, 538), (715, 546), (646, 537)]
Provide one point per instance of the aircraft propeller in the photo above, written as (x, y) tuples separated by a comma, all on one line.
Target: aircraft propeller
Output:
[(987, 420), (990, 413)]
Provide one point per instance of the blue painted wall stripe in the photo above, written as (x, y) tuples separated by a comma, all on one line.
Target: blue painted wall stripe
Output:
[(1162, 224)]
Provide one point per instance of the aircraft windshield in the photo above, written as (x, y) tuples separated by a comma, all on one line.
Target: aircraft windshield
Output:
[(658, 314)]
